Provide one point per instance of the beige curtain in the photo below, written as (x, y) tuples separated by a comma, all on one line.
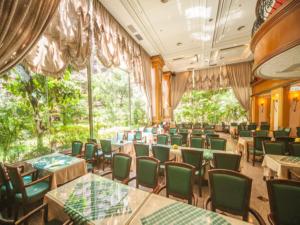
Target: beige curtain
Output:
[(79, 27), (22, 23), (147, 84), (240, 77), (178, 87), (208, 79)]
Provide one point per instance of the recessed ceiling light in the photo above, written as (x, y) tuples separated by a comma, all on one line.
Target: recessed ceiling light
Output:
[(179, 44), (198, 12)]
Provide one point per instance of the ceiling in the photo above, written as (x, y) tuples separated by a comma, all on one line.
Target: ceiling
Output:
[(189, 34)]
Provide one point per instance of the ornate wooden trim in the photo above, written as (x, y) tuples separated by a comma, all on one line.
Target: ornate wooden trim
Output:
[(279, 33)]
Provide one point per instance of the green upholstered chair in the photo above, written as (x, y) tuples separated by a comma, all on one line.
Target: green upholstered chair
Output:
[(147, 173), (162, 153), (76, 148), (261, 133), (25, 219), (162, 139), (179, 181), (274, 147), (154, 130), (138, 136), (197, 142), (189, 126), (295, 149), (195, 158), (298, 131), (6, 188), (89, 155), (245, 133), (281, 133), (197, 132), (284, 199), (257, 149), (27, 194), (121, 164), (286, 141), (218, 144), (251, 126), (176, 140), (208, 131), (209, 136), (173, 131), (226, 161), (107, 151), (183, 130), (230, 192), (265, 127), (184, 136), (141, 149)]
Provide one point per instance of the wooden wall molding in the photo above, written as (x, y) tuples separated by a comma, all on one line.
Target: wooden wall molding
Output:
[(277, 34)]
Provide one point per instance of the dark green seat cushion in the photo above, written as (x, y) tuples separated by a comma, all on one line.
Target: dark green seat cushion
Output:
[(147, 172), (35, 192), (179, 180), (257, 152), (229, 192), (26, 180), (287, 201), (121, 167)]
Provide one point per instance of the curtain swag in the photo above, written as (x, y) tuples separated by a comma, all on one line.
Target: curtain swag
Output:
[(22, 23), (237, 76)]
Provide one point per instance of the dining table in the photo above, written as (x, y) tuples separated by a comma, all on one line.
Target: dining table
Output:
[(280, 165), (94, 200), (165, 211), (63, 168), (243, 144)]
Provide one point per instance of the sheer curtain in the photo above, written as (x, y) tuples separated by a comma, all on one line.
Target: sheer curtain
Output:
[(178, 87), (21, 25), (240, 77)]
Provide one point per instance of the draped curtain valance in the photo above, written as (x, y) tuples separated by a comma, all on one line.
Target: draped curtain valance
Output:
[(22, 23), (81, 28), (208, 79), (237, 76)]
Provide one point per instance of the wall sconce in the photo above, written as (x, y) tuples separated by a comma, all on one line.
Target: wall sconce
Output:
[(262, 106), (295, 101)]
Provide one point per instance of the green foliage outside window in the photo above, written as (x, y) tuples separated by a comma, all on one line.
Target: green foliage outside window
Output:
[(213, 106)]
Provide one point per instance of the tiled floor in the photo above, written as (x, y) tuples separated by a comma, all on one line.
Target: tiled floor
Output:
[(258, 186)]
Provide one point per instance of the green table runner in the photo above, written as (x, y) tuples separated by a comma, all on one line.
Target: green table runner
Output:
[(97, 200), (183, 214), (290, 159)]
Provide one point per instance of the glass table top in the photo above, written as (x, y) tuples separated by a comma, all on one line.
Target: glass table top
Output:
[(53, 162), (92, 199)]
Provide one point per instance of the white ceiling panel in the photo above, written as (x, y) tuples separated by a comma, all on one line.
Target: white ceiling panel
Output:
[(189, 33)]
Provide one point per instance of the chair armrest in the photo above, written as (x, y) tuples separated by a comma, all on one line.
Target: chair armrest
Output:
[(106, 173), (206, 202), (160, 189), (31, 172), (39, 180), (128, 180), (6, 222), (257, 216)]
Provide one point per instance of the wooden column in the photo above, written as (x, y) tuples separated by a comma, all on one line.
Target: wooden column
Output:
[(157, 68), (166, 100)]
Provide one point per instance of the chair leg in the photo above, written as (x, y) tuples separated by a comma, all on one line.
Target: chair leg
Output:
[(253, 160), (16, 212), (200, 186)]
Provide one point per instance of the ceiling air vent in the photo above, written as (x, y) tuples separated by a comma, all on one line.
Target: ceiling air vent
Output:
[(179, 58), (139, 37), (131, 28)]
